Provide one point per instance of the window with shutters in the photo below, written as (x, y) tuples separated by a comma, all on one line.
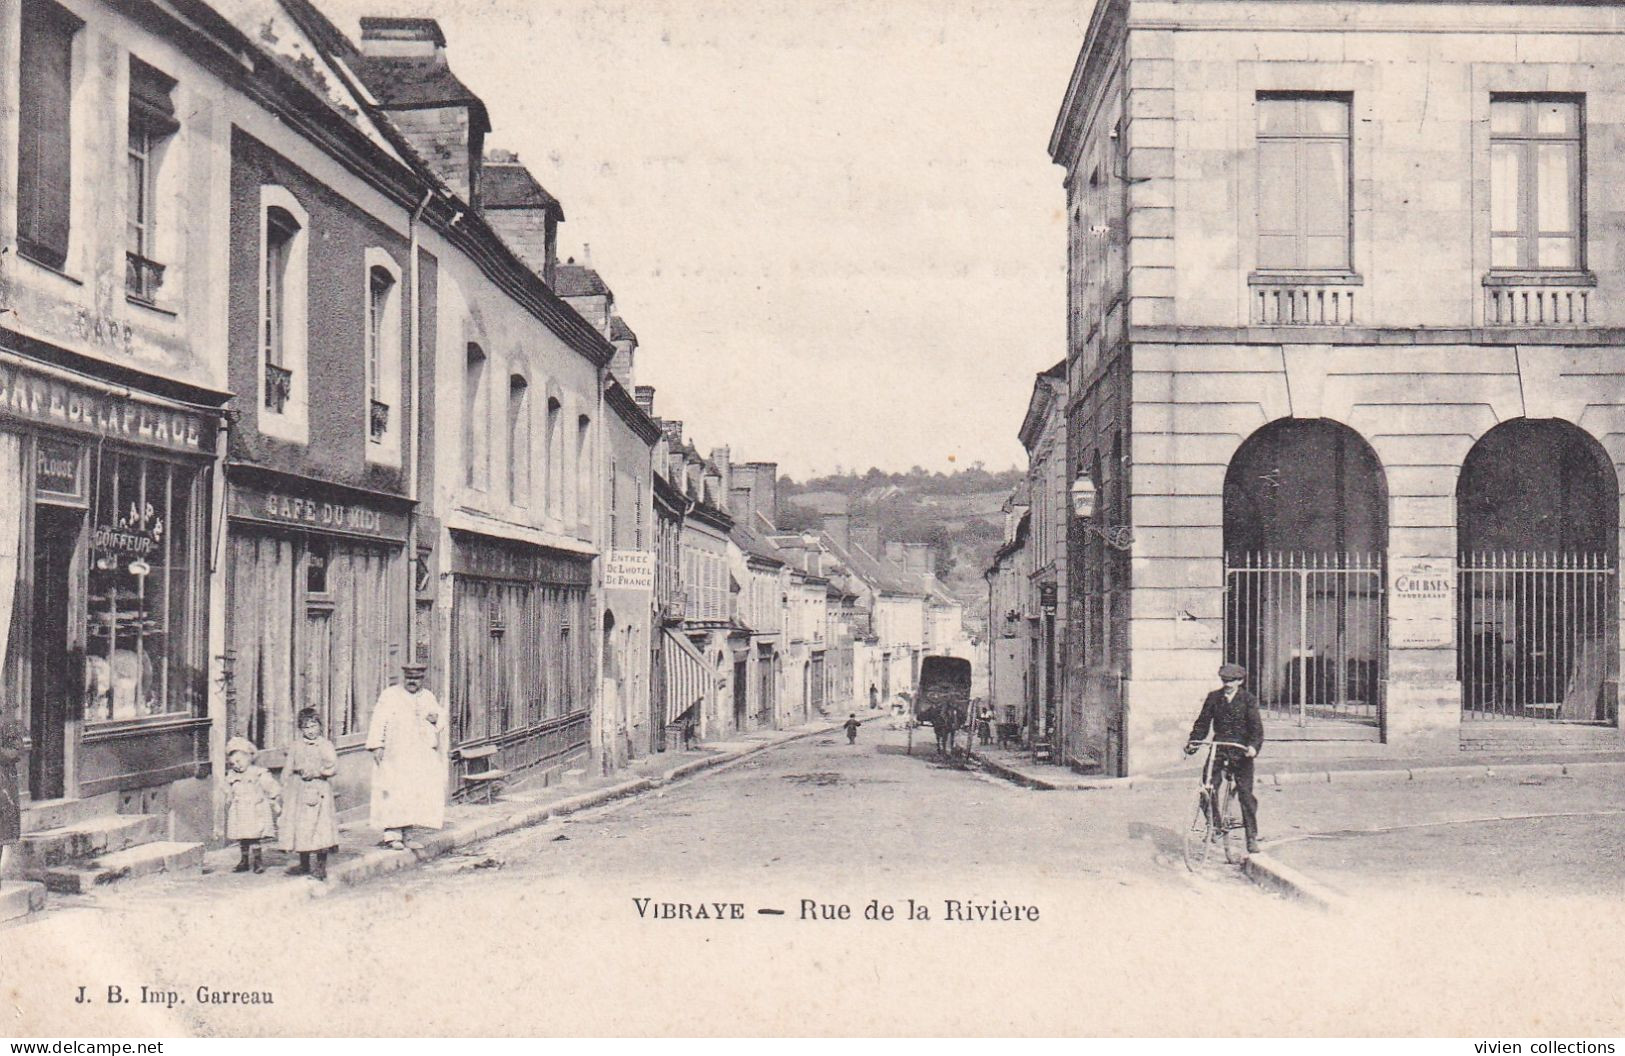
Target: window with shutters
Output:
[(45, 132), (1303, 183), (151, 124)]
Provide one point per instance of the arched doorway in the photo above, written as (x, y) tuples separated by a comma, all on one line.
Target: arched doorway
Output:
[(1305, 535), (1537, 515)]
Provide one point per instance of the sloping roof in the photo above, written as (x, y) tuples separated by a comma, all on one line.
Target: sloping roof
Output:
[(509, 185), (619, 331), (578, 280), (418, 84), (879, 575), (754, 545)]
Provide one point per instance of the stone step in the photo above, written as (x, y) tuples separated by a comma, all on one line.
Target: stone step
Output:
[(18, 898), (39, 851), (60, 813), (161, 857)]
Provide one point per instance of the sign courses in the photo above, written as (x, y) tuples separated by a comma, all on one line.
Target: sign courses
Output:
[(1421, 603), (629, 570)]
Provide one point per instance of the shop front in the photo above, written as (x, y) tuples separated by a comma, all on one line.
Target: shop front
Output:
[(521, 666), (316, 601), (104, 518)]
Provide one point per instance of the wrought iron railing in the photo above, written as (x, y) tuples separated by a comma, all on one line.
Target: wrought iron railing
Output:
[(142, 277), (278, 386), (1538, 634)]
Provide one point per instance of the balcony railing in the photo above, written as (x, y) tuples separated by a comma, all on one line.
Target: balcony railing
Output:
[(1534, 300), (278, 386), (1302, 300), (142, 277), (378, 421)]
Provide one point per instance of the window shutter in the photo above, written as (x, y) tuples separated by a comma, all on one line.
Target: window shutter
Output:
[(44, 159)]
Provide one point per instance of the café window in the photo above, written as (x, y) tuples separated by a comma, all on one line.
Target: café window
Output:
[(143, 648)]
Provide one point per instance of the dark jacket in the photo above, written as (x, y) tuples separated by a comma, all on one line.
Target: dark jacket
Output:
[(1237, 721)]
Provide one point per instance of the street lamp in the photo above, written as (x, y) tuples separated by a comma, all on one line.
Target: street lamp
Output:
[(1083, 498)]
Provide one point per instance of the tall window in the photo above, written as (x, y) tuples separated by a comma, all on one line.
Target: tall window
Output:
[(1535, 183), (280, 231), (380, 306), (474, 426), (519, 453), (584, 474), (555, 458), (44, 154), (1303, 183), (152, 121)]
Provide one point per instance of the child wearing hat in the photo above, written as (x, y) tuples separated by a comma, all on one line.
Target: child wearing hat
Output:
[(309, 820), (253, 801)]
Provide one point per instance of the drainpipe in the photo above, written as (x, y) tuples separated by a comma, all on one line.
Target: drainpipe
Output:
[(410, 431), (595, 511)]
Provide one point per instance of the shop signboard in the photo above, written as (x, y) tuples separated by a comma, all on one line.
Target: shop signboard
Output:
[(629, 570), (1422, 603)]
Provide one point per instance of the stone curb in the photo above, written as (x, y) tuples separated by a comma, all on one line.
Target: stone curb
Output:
[(1398, 775), (1281, 878)]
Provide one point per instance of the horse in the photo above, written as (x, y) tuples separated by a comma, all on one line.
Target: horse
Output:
[(945, 719)]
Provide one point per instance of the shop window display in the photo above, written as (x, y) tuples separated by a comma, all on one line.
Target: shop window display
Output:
[(140, 654)]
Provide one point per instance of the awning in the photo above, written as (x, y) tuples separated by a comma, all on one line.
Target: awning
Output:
[(688, 676)]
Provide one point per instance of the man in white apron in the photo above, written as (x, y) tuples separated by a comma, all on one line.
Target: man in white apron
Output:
[(408, 740)]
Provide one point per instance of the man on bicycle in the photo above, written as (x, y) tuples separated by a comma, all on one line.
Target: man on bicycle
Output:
[(1232, 714)]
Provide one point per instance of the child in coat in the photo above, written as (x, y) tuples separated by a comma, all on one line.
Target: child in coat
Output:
[(253, 801), (851, 729), (309, 819)]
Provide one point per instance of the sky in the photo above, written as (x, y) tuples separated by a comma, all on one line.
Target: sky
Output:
[(833, 225)]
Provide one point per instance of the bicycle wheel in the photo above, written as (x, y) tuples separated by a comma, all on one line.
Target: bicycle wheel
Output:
[(1224, 820), (1199, 834)]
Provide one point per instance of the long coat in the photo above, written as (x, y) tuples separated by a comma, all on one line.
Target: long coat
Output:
[(409, 782), (251, 804), (11, 797), (1237, 721), (309, 821)]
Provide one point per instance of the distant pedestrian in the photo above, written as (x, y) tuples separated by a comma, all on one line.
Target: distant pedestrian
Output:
[(407, 738), (984, 724), (309, 821), (874, 698), (253, 801), (852, 729), (11, 809)]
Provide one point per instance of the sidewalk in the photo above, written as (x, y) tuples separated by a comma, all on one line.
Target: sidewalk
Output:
[(359, 857), (1019, 767)]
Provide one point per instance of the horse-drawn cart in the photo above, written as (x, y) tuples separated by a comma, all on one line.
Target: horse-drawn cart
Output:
[(942, 697)]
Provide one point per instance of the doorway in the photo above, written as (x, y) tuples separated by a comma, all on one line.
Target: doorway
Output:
[(740, 676), (53, 687)]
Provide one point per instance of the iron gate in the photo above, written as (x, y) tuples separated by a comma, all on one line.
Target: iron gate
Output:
[(1311, 629), (1538, 634)]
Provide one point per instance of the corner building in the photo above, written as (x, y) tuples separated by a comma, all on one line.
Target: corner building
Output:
[(1345, 317)]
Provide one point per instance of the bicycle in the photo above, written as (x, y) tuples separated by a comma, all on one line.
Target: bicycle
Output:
[(1214, 822)]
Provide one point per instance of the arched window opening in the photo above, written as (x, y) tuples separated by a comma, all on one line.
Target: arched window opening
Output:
[(1305, 539), (1537, 620), (519, 453), (474, 418)]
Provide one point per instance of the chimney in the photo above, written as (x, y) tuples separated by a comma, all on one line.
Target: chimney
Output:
[(645, 397), (838, 526), (522, 212), (868, 537), (403, 64), (767, 490), (673, 431), (719, 458)]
